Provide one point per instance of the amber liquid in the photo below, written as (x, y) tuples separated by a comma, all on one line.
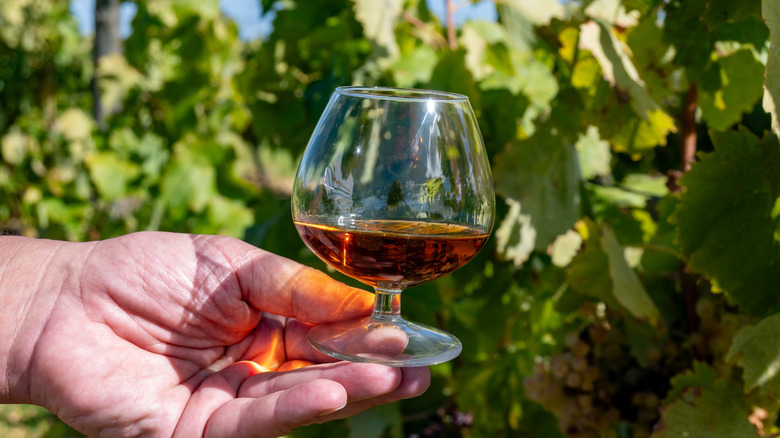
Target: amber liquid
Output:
[(393, 254)]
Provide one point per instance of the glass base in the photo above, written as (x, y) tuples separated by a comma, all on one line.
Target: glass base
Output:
[(393, 342)]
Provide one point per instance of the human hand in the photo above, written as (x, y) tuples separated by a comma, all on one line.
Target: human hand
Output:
[(162, 334)]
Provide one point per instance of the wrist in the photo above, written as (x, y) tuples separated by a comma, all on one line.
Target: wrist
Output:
[(33, 274)]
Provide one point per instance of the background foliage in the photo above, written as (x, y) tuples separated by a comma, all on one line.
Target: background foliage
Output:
[(629, 289)]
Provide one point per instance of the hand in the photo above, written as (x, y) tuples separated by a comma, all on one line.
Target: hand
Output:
[(162, 334)]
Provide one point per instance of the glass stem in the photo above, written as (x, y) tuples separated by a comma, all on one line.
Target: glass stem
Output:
[(387, 305)]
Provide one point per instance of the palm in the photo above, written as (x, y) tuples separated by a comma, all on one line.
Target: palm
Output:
[(136, 348)]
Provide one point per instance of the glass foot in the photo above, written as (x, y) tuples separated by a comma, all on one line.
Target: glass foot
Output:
[(393, 342)]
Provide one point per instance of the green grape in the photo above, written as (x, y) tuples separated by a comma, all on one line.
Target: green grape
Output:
[(580, 348), (559, 366), (599, 332), (573, 380), (578, 364)]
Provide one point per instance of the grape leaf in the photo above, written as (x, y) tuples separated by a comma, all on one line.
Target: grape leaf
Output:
[(601, 271), (374, 422), (378, 26), (588, 272), (542, 174), (479, 38), (704, 408), (702, 375), (741, 75), (228, 217), (613, 12), (771, 13), (15, 145), (757, 349), (722, 11), (617, 67), (515, 237), (726, 223), (686, 31), (111, 174), (75, 125), (626, 287), (593, 154), (520, 17), (451, 74), (565, 248), (415, 66)]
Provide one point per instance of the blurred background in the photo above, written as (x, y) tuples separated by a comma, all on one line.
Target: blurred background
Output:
[(627, 278)]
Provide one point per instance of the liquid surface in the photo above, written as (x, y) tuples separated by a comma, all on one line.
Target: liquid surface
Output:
[(393, 254)]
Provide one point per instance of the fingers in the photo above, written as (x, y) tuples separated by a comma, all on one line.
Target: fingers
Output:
[(277, 285), (278, 413), (360, 380), (238, 402), (414, 381), (215, 391)]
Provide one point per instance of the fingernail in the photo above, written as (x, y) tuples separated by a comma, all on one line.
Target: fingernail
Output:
[(330, 411)]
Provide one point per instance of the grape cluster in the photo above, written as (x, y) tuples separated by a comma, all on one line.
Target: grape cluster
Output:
[(596, 382), (569, 385), (718, 323), (446, 422)]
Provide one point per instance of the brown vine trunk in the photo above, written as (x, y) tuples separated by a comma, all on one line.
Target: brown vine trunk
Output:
[(688, 284), (107, 42), (689, 128), (451, 37)]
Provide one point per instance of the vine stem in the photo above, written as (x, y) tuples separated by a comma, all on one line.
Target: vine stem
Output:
[(659, 248), (437, 41), (688, 285), (688, 120), (451, 38)]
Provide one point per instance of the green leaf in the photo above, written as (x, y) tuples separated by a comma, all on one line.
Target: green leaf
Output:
[(374, 422), (699, 377), (588, 272), (686, 31), (542, 174), (415, 66), (757, 349), (379, 26), (593, 154), (618, 68), (565, 248), (187, 182), (602, 272), (722, 11), (520, 17), (482, 40), (111, 174), (705, 408), (612, 12), (626, 287), (451, 74), (15, 145), (771, 13), (74, 125), (228, 217), (515, 237), (741, 75), (726, 224)]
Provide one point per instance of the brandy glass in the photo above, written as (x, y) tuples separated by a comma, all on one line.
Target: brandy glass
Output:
[(394, 190)]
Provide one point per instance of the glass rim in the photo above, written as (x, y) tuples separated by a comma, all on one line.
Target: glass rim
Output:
[(402, 94)]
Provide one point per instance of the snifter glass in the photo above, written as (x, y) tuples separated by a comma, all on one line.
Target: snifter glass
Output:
[(394, 190)]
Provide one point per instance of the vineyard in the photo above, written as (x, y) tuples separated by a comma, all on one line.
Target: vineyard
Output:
[(631, 286)]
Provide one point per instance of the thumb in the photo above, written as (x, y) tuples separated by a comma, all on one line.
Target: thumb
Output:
[(278, 285)]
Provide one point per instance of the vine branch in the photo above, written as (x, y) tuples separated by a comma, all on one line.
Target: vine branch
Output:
[(451, 37), (437, 41), (688, 120)]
